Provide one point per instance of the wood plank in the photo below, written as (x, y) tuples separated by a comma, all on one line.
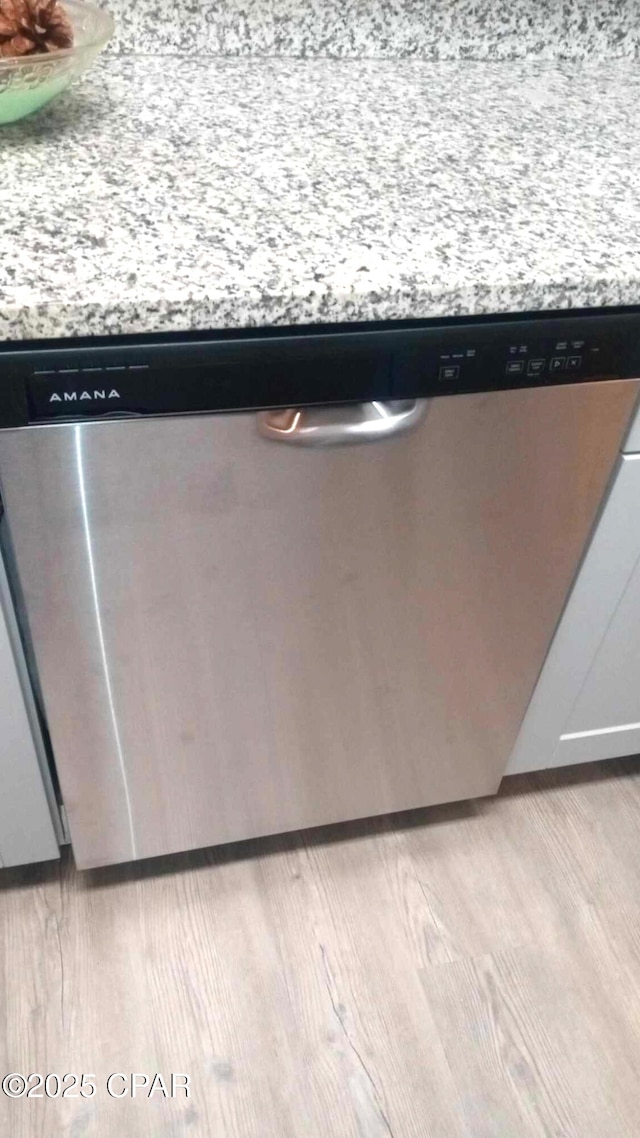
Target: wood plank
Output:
[(469, 971), (537, 1045)]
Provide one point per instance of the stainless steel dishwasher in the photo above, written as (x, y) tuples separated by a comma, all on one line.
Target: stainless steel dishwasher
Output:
[(275, 580)]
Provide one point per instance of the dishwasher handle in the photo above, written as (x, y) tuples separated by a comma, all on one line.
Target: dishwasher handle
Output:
[(345, 424)]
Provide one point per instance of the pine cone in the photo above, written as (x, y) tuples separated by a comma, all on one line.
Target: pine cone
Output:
[(33, 27)]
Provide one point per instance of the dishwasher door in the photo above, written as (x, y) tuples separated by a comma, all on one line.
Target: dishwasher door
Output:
[(236, 636)]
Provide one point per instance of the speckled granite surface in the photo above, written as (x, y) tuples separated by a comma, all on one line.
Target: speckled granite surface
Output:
[(165, 194), (432, 29)]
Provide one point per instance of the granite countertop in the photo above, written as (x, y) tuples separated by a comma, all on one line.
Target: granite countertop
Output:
[(167, 194), (429, 29)]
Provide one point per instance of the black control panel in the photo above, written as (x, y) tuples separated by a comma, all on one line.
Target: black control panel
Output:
[(75, 380)]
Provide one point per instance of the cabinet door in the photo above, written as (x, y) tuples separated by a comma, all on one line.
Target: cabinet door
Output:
[(27, 806), (587, 702)]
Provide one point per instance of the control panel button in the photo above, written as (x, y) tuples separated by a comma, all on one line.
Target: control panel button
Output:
[(577, 344), (574, 362), (450, 371), (558, 363), (536, 367), (515, 367), (562, 346)]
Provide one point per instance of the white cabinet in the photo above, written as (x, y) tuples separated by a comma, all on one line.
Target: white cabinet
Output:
[(29, 823), (586, 705)]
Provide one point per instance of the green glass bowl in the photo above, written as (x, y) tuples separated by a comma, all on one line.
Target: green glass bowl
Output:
[(32, 81)]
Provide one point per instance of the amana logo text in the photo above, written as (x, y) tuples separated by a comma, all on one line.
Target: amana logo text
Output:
[(77, 397)]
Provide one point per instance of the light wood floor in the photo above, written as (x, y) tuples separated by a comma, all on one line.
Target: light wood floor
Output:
[(471, 970)]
